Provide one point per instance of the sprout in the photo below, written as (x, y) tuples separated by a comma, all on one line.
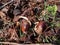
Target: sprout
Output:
[(25, 19)]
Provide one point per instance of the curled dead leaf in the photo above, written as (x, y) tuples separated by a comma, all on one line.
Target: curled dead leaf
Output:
[(2, 15)]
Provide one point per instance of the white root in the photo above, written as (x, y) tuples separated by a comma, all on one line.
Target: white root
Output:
[(36, 23), (25, 19)]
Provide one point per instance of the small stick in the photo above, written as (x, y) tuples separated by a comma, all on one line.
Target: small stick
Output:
[(9, 43), (6, 4)]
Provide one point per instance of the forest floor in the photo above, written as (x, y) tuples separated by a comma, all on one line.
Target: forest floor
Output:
[(29, 22)]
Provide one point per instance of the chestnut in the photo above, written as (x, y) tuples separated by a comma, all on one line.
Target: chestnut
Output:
[(40, 27), (25, 24)]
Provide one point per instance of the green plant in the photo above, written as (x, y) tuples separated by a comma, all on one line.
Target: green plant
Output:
[(52, 9)]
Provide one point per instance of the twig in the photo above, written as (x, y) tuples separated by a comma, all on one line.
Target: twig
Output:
[(6, 4), (9, 43), (47, 28), (14, 35), (26, 11)]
